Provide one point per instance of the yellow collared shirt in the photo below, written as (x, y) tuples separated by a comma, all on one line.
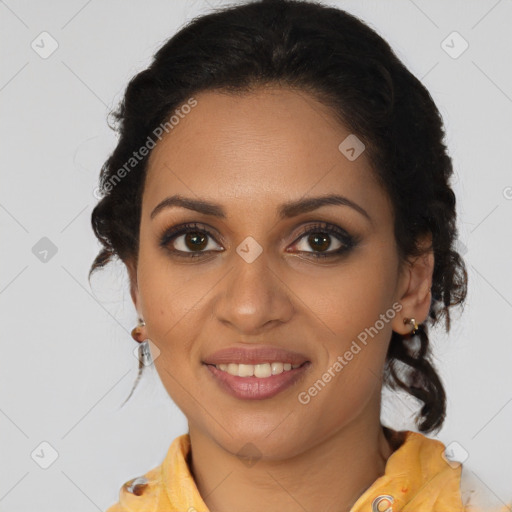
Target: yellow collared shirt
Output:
[(417, 478)]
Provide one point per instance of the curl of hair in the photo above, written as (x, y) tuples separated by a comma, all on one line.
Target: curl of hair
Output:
[(340, 61)]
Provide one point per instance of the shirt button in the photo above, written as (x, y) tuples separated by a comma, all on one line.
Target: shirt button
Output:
[(136, 486), (385, 499)]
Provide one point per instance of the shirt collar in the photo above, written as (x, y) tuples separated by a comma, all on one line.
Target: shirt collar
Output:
[(416, 477)]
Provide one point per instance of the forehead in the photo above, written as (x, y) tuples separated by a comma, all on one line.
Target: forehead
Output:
[(270, 143)]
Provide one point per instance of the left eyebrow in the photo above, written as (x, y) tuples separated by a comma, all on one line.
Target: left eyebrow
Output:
[(286, 210), (294, 208)]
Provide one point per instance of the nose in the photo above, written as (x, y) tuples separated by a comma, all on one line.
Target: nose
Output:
[(253, 297)]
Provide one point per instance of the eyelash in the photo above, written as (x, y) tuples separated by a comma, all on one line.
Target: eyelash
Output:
[(347, 240)]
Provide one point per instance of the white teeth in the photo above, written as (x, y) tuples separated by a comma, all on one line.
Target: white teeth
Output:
[(245, 370), (277, 368), (262, 370)]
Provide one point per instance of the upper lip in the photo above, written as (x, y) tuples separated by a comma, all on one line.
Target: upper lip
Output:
[(255, 355)]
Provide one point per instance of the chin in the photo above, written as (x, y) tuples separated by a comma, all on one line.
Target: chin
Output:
[(269, 443)]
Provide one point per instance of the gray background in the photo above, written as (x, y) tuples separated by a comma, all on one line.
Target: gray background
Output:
[(67, 356)]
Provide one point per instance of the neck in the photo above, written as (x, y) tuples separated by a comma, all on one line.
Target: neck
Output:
[(330, 476)]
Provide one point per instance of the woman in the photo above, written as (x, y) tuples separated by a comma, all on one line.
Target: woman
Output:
[(280, 197)]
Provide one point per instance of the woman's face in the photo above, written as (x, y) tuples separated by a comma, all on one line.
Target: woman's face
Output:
[(262, 276)]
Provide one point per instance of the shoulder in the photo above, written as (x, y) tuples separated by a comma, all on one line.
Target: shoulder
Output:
[(140, 493), (147, 492), (478, 497)]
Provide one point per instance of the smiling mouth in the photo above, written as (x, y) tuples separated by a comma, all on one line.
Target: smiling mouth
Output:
[(256, 381), (261, 370)]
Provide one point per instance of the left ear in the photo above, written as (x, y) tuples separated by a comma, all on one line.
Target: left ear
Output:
[(416, 282)]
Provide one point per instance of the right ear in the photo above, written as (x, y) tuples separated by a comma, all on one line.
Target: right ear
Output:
[(134, 289)]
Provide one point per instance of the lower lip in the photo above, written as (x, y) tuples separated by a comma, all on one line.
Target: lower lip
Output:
[(257, 388)]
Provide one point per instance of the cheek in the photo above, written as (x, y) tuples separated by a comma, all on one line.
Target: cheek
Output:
[(351, 297), (169, 293), (352, 308)]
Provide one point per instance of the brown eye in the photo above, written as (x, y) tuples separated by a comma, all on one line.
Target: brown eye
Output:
[(195, 241), (188, 240), (325, 240), (319, 242)]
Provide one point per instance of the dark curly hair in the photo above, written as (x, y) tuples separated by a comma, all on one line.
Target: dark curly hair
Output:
[(343, 63)]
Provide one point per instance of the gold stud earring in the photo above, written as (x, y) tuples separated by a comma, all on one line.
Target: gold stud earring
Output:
[(412, 321)]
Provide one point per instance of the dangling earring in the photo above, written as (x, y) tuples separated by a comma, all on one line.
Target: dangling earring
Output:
[(412, 321), (137, 331), (144, 352)]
